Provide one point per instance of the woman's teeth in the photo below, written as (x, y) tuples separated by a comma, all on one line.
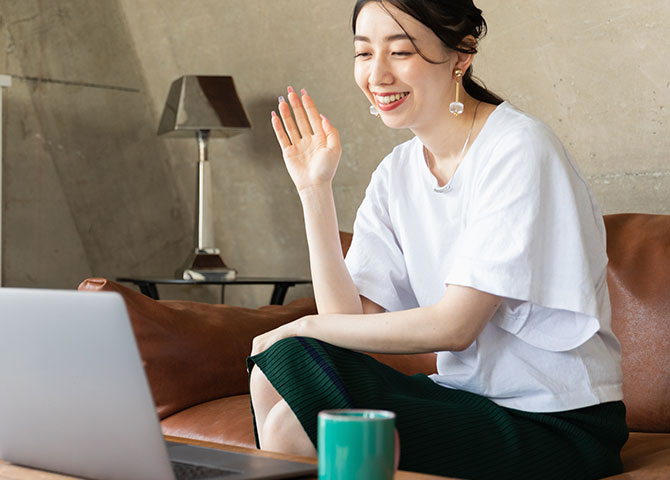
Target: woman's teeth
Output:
[(386, 99)]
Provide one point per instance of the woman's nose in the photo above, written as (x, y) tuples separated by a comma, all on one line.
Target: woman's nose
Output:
[(380, 72)]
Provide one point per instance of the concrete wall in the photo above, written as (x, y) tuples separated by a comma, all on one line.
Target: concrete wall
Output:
[(88, 187), (597, 72), (91, 190)]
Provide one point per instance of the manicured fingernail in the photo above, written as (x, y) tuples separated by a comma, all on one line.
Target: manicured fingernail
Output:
[(324, 117), (303, 91), (281, 99), (274, 114), (290, 90)]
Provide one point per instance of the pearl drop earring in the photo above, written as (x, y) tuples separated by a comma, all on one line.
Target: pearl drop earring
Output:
[(373, 111)]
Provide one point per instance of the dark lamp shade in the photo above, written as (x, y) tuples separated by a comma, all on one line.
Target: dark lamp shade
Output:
[(198, 102)]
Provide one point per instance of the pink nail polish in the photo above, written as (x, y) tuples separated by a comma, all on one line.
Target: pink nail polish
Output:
[(303, 91), (274, 114), (290, 90)]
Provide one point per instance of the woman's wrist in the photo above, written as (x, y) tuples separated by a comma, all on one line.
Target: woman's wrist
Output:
[(318, 204), (316, 191)]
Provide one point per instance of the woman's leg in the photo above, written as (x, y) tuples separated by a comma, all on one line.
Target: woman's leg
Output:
[(282, 432), (279, 430), (263, 397)]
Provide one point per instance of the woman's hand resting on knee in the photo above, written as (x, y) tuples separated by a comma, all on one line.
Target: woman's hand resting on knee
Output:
[(310, 144), (266, 340)]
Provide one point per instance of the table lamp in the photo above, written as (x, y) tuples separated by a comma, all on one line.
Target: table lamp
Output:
[(199, 107)]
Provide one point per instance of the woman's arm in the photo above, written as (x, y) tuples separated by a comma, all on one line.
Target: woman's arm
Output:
[(311, 149), (452, 324), (334, 290)]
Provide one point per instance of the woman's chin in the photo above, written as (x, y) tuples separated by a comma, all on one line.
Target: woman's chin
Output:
[(395, 123)]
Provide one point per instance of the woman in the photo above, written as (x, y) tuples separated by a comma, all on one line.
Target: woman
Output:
[(479, 240)]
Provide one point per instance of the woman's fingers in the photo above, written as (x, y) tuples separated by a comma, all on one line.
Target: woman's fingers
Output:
[(299, 112), (289, 124), (307, 120), (332, 135), (282, 138), (312, 112)]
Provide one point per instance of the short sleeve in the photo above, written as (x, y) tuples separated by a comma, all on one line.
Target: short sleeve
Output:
[(532, 235), (375, 259)]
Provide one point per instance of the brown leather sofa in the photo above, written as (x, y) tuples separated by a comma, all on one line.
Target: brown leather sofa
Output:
[(194, 354)]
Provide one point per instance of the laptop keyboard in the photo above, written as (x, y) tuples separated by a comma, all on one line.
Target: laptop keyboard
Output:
[(188, 471)]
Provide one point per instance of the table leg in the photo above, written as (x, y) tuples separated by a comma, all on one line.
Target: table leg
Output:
[(223, 293), (279, 293), (149, 289)]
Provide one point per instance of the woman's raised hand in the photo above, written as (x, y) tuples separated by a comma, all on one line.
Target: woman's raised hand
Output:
[(310, 144)]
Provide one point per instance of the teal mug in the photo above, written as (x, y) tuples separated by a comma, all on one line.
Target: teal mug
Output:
[(356, 444)]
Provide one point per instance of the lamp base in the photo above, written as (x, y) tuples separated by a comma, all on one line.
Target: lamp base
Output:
[(203, 265)]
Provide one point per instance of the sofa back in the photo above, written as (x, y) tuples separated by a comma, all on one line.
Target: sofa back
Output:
[(638, 276)]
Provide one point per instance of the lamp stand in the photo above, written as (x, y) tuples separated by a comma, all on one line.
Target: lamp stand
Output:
[(205, 263)]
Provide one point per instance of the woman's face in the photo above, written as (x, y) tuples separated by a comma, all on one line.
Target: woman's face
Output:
[(408, 91)]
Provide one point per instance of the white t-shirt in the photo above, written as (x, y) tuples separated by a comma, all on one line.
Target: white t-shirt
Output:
[(516, 220)]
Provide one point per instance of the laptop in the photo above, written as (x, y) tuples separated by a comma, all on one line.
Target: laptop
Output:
[(74, 397)]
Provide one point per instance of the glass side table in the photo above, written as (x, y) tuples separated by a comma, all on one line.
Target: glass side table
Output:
[(148, 287)]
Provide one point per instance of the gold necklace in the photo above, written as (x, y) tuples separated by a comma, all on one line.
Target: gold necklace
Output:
[(467, 140)]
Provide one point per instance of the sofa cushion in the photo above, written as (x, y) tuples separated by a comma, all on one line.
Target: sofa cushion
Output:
[(225, 420), (186, 347), (638, 276)]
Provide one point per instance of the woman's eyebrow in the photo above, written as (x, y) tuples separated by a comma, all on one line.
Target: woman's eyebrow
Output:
[(390, 38)]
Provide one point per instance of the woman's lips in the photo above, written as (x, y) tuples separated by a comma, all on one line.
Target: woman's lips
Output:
[(387, 107)]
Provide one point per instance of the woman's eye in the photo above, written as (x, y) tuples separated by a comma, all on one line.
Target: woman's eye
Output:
[(361, 55), (402, 54)]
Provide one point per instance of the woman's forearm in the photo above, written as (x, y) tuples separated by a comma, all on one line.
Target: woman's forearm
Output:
[(452, 324), (334, 290), (407, 331)]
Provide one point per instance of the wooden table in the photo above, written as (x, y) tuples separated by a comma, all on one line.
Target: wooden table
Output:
[(14, 472)]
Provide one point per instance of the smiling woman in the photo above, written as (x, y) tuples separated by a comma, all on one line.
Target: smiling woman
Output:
[(478, 239)]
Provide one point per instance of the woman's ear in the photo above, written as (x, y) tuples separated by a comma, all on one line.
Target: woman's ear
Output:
[(464, 60)]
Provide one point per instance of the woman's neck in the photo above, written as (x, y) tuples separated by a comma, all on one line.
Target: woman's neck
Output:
[(447, 138), (445, 134)]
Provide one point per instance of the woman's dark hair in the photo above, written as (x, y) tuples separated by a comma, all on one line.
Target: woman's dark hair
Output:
[(451, 21)]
